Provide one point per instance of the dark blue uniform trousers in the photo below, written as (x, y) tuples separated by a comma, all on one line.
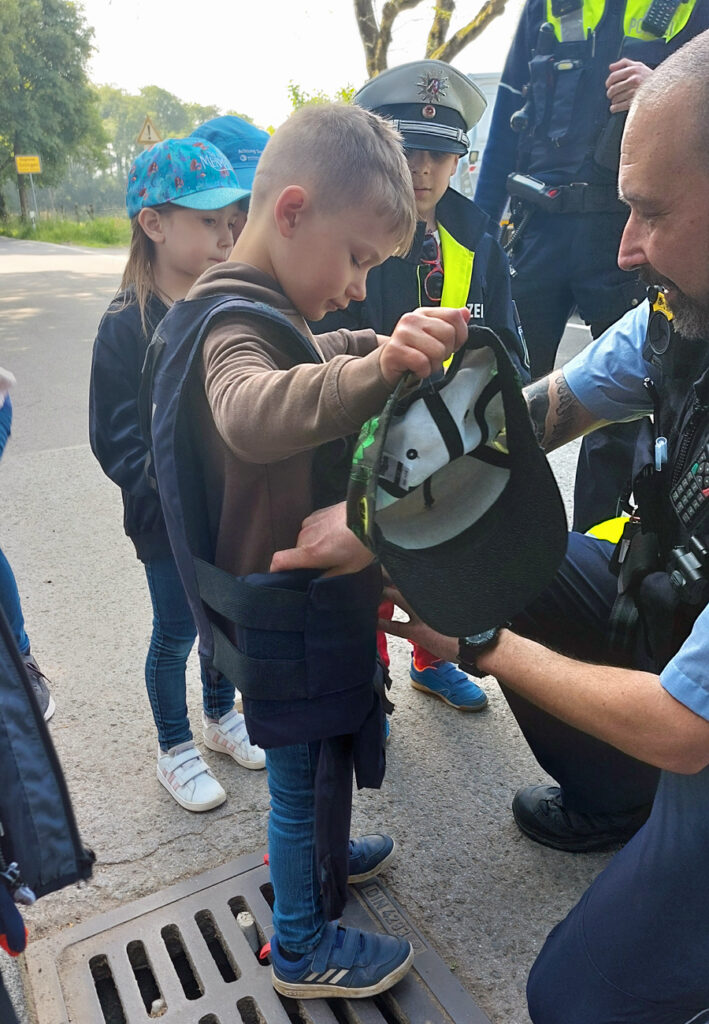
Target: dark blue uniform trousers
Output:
[(636, 946), (571, 617)]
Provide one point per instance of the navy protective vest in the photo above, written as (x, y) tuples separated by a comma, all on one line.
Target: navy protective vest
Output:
[(300, 647)]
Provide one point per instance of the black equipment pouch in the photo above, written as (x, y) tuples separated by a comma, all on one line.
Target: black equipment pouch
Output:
[(607, 151), (568, 74), (541, 78)]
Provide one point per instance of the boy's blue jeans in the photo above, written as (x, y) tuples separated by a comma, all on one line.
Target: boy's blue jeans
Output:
[(170, 644), (298, 918)]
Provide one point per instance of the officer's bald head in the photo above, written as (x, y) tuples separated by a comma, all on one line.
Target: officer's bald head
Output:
[(664, 179), (680, 87)]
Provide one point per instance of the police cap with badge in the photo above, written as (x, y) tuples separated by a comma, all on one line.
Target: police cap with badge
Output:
[(432, 104)]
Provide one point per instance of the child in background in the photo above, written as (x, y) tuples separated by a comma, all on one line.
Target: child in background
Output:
[(454, 261), (9, 594), (182, 198), (332, 198), (242, 144)]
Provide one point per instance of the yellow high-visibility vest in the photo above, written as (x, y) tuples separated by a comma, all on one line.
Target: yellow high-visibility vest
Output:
[(635, 11)]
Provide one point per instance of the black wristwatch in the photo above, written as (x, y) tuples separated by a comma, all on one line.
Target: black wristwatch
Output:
[(471, 647)]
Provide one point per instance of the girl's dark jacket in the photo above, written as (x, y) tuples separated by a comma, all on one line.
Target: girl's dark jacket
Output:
[(114, 426)]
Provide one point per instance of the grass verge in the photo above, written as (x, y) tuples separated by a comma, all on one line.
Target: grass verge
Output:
[(100, 232)]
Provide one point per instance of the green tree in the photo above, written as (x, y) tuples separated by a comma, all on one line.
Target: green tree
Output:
[(300, 98), (376, 31), (47, 105), (122, 116)]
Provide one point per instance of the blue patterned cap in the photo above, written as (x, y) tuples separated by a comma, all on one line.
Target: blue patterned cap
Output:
[(188, 172)]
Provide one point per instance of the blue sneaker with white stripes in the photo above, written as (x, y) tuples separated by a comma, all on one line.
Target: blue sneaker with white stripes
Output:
[(346, 962), (369, 855)]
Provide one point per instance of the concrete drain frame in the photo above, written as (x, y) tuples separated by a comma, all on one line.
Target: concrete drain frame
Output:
[(181, 957)]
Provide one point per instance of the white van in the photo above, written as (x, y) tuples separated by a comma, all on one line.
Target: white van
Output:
[(466, 175)]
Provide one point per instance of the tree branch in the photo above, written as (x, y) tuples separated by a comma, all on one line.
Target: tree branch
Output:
[(390, 12), (440, 25), (368, 30), (490, 10)]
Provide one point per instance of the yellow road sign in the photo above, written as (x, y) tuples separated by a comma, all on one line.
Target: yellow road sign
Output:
[(148, 134), (28, 165)]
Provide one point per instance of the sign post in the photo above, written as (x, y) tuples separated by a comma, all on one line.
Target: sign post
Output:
[(30, 165), (148, 134)]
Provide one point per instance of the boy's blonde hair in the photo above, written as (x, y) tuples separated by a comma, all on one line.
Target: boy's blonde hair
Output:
[(344, 156)]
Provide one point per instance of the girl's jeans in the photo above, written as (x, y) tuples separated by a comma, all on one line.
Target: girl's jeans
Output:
[(298, 918), (170, 644)]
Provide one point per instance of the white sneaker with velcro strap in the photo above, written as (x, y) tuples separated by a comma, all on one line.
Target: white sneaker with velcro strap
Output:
[(185, 775), (229, 736)]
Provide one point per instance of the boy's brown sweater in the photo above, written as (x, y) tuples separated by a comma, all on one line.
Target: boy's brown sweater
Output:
[(263, 417)]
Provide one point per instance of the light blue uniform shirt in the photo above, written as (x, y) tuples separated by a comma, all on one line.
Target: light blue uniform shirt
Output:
[(686, 677), (607, 378)]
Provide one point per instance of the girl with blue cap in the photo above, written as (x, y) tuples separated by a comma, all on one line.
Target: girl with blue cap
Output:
[(182, 198)]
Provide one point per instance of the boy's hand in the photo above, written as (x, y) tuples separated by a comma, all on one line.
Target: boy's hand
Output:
[(324, 542), (422, 341)]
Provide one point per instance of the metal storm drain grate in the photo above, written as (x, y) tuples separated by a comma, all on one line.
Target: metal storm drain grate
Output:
[(188, 955)]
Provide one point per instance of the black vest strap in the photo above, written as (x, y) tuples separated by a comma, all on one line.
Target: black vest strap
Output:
[(256, 678), (249, 606)]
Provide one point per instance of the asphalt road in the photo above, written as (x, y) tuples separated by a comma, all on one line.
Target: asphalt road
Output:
[(483, 894)]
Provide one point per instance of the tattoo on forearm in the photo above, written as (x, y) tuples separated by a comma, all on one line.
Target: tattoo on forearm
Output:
[(537, 396), (554, 410), (563, 424)]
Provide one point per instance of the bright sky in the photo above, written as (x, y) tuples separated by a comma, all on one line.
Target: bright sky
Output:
[(241, 54)]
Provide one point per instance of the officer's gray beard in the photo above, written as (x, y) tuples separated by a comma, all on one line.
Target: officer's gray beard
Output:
[(691, 320)]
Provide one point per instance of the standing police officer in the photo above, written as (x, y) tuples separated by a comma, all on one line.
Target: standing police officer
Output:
[(571, 63), (434, 105)]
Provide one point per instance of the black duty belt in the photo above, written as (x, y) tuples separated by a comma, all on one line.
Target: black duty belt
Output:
[(579, 197)]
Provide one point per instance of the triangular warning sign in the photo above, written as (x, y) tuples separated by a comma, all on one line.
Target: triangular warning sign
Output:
[(148, 134)]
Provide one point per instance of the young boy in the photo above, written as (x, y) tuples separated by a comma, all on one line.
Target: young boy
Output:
[(454, 261), (331, 199)]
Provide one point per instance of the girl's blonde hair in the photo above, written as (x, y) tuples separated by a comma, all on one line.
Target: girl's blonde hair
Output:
[(138, 281)]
